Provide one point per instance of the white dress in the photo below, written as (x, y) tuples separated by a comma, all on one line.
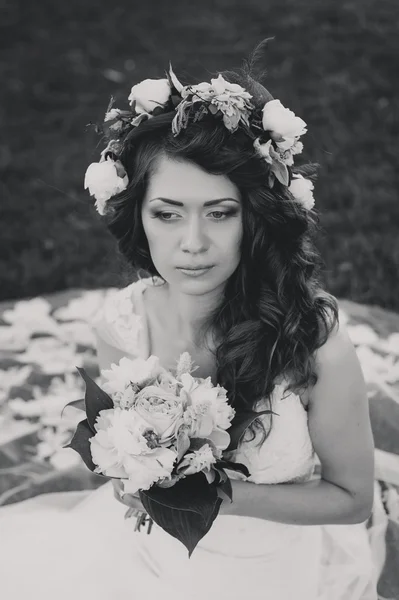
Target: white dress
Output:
[(77, 544)]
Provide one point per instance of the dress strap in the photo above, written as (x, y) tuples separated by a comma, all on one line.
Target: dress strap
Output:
[(117, 321)]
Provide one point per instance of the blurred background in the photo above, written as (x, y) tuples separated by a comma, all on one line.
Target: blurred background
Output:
[(335, 65)]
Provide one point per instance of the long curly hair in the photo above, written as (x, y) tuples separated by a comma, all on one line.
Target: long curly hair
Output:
[(274, 313)]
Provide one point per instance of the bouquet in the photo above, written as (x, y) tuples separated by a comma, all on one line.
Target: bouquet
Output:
[(165, 436)]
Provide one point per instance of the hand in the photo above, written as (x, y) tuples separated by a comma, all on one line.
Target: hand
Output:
[(131, 500)]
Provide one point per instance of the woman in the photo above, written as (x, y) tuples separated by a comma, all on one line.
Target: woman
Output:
[(199, 187)]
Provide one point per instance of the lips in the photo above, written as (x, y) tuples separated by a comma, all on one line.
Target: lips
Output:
[(196, 268)]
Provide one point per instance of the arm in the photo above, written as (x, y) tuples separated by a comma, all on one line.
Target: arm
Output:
[(341, 434)]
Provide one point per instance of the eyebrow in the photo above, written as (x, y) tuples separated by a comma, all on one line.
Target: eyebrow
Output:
[(209, 203)]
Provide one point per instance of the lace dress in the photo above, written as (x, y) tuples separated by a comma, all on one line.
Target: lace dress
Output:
[(88, 549)]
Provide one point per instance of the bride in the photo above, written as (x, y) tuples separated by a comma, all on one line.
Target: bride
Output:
[(198, 186)]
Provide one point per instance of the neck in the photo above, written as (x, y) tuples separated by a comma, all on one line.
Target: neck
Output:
[(189, 313)]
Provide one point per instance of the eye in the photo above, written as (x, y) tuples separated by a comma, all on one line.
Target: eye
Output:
[(165, 216), (161, 215)]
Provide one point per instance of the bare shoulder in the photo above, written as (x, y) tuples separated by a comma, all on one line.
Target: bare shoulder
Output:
[(335, 359)]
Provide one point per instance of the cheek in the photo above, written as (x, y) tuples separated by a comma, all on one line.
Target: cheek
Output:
[(230, 242), (153, 233)]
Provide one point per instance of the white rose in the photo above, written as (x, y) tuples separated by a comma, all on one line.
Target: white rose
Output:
[(149, 94), (105, 179), (120, 449), (282, 123), (127, 371), (302, 190), (162, 410)]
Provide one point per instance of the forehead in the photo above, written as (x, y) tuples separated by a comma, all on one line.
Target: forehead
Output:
[(184, 180)]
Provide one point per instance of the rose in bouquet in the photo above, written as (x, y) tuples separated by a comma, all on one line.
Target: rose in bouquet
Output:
[(164, 435)]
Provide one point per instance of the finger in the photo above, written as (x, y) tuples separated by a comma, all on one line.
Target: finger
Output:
[(117, 485), (132, 501)]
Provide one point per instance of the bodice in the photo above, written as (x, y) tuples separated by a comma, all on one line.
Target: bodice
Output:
[(287, 454)]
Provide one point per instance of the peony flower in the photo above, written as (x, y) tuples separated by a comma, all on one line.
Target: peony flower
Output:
[(127, 371), (162, 410), (208, 413), (120, 448), (144, 471), (302, 190), (284, 126), (149, 94), (105, 179), (198, 460)]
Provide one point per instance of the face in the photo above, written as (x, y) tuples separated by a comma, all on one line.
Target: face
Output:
[(197, 224)]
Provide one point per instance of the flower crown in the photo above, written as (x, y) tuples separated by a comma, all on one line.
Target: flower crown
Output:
[(276, 131)]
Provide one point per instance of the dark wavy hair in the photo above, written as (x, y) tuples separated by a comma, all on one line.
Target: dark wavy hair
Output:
[(274, 313)]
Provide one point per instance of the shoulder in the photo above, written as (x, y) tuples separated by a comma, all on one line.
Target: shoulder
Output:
[(337, 349), (117, 321), (338, 343)]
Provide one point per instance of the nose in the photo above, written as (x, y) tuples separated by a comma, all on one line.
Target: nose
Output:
[(194, 238)]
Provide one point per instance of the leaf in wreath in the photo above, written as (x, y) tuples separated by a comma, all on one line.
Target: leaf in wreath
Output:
[(240, 423), (173, 79), (186, 511), (81, 444), (95, 399), (281, 172), (213, 109)]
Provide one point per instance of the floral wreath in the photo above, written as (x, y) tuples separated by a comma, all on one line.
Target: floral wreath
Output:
[(276, 133)]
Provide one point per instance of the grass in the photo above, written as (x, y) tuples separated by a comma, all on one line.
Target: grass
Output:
[(334, 64)]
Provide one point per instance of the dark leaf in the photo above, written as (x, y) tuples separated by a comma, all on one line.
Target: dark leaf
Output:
[(80, 404), (233, 466), (80, 443), (186, 511), (95, 399), (225, 484)]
